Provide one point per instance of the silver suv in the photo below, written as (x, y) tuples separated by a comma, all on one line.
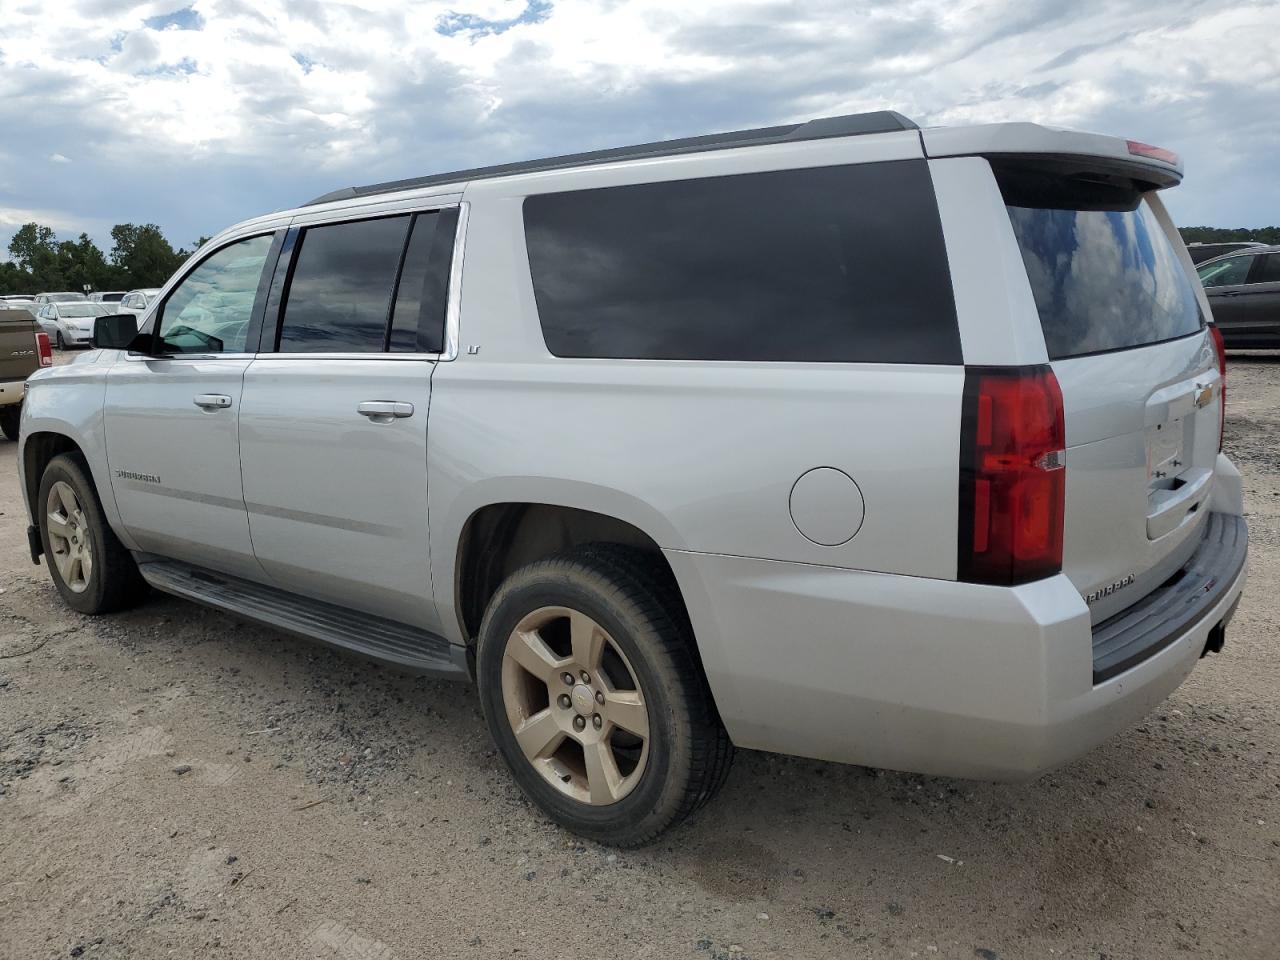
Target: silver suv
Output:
[(846, 439)]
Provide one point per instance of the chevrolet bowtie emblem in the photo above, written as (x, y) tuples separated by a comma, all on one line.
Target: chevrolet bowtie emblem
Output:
[(1204, 396)]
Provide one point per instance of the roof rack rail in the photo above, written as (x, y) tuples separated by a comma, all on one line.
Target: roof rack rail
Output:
[(856, 124)]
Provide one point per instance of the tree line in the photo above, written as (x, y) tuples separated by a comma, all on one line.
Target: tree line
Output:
[(1228, 234), (140, 256)]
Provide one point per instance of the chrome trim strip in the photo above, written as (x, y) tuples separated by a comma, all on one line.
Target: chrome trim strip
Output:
[(302, 355), (453, 312)]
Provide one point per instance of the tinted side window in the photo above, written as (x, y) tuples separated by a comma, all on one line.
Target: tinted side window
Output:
[(1268, 271), (209, 311), (831, 264), (339, 295), (417, 322)]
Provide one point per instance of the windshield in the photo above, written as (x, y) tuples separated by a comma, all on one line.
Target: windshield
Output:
[(82, 310), (1103, 272), (66, 297)]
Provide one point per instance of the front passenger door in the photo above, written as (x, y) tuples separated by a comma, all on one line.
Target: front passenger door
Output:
[(173, 443), (1224, 283)]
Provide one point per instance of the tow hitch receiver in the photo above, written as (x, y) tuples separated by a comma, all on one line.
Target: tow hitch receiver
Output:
[(1218, 635)]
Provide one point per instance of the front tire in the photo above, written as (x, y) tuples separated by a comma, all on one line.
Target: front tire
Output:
[(62, 344), (89, 565), (592, 690)]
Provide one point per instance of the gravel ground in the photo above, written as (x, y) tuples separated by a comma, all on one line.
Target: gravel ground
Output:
[(176, 783)]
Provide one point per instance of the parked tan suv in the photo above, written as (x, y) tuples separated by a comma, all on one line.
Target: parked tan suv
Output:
[(24, 349)]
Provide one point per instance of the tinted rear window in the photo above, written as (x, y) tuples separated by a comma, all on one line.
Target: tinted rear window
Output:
[(1103, 272), (339, 296), (834, 264)]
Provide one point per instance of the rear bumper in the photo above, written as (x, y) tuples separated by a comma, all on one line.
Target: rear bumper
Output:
[(12, 391), (931, 676)]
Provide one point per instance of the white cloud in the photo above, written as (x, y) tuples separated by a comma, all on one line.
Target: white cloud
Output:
[(59, 158), (271, 100)]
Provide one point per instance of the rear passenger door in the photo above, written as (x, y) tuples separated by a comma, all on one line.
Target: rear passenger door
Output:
[(334, 416)]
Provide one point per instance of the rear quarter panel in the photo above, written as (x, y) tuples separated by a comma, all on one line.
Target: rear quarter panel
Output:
[(701, 456)]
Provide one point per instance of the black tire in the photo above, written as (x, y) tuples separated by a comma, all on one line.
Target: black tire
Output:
[(635, 599), (62, 344), (114, 582), (10, 417)]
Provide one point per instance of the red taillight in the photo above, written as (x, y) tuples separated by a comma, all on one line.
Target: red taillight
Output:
[(1012, 475), (1220, 348), (1139, 149), (44, 349)]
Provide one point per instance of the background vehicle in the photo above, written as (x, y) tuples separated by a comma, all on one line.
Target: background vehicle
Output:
[(844, 439), (137, 301), (1244, 293), (1201, 252), (70, 323), (68, 296), (20, 297), (23, 350), (109, 298)]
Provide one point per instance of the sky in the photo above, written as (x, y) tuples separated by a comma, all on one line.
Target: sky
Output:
[(194, 115)]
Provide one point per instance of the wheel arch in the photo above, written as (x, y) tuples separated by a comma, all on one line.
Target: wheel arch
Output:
[(499, 538)]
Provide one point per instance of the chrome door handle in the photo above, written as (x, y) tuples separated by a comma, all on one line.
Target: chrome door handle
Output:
[(212, 401), (384, 411)]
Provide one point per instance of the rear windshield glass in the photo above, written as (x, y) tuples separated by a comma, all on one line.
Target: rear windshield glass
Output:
[(834, 264), (1104, 275)]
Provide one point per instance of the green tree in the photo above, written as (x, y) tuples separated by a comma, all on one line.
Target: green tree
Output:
[(142, 256)]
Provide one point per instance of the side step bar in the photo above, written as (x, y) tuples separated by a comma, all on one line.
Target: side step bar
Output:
[(386, 640)]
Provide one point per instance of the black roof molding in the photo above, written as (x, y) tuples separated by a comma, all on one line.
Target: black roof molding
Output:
[(856, 124)]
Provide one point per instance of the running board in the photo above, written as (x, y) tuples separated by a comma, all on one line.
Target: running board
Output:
[(384, 640)]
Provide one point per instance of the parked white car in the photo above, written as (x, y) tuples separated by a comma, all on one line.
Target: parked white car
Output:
[(108, 298), (845, 439), (137, 301), (70, 323), (66, 296)]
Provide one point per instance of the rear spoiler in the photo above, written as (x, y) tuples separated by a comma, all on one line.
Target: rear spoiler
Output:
[(1154, 167)]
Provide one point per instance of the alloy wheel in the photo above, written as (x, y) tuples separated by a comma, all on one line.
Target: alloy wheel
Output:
[(575, 705), (69, 541)]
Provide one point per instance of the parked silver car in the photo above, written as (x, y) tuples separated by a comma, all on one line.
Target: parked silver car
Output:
[(845, 439), (70, 323)]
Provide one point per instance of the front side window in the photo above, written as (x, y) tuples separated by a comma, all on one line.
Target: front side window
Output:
[(1224, 273), (834, 264), (210, 310), (339, 296)]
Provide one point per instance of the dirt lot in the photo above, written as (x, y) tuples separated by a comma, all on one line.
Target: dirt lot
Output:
[(176, 783)]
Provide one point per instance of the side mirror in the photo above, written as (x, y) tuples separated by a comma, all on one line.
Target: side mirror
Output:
[(115, 331)]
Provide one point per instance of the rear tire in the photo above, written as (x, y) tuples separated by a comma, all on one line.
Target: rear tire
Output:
[(89, 565), (634, 743), (10, 418)]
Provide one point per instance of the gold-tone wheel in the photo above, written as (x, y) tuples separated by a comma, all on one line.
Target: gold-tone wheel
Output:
[(69, 542), (575, 705)]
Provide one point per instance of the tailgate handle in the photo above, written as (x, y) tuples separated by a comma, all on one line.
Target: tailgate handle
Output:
[(1171, 508)]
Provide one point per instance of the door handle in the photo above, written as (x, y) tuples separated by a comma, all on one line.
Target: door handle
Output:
[(384, 411), (1230, 293), (212, 401)]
